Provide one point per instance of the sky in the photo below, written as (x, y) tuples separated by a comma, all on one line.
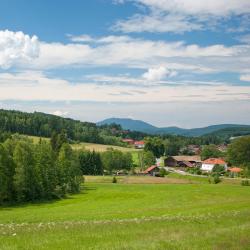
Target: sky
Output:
[(179, 63)]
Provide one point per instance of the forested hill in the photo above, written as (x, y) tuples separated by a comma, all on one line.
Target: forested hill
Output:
[(41, 124)]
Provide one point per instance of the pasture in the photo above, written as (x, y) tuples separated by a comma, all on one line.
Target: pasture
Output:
[(135, 213)]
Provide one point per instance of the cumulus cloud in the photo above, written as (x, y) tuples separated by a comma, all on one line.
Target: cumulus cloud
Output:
[(182, 15), (16, 47), (132, 53), (159, 73)]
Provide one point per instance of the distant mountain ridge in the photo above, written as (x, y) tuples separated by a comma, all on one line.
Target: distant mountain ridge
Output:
[(141, 126)]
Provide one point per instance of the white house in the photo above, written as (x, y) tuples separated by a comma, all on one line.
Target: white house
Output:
[(209, 164)]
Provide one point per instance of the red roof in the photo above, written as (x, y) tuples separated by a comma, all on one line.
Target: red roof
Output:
[(128, 140), (149, 169), (214, 161), (139, 142), (235, 170)]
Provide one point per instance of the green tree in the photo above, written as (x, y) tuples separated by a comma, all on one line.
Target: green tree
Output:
[(26, 178), (45, 164), (69, 174), (210, 151), (172, 147), (155, 145), (238, 152), (7, 169), (149, 158)]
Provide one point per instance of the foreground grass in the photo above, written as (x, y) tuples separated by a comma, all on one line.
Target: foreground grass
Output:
[(132, 216)]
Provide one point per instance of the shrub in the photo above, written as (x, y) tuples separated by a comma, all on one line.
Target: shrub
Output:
[(114, 180), (162, 172), (214, 179), (245, 183), (217, 179)]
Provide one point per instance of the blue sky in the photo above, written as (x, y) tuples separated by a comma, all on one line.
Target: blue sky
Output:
[(168, 62)]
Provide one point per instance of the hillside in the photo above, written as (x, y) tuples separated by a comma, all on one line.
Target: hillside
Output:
[(41, 124), (142, 126)]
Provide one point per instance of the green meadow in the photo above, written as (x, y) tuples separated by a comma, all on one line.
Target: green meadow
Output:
[(177, 214)]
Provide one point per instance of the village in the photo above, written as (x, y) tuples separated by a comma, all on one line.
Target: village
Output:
[(188, 164)]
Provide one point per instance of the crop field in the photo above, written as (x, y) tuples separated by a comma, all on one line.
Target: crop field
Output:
[(135, 213)]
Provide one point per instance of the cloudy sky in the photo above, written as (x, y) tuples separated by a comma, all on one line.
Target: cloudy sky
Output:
[(167, 62)]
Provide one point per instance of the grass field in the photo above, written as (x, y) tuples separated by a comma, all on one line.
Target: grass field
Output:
[(96, 147), (175, 215), (89, 146)]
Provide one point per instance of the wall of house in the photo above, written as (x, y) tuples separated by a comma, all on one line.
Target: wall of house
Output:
[(207, 167), (170, 162)]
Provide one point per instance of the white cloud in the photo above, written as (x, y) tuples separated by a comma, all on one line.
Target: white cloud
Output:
[(159, 73), (81, 38), (182, 15), (37, 86), (245, 39), (125, 51), (131, 53), (245, 78), (196, 7), (60, 113), (16, 47)]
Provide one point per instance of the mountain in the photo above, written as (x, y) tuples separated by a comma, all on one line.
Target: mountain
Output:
[(133, 125), (141, 126)]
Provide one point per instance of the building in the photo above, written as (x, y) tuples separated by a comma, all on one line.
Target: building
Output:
[(139, 144), (182, 161), (235, 171), (153, 170), (209, 164), (129, 141)]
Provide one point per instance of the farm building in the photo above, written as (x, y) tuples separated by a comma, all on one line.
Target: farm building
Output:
[(209, 164), (182, 161), (153, 170), (235, 171), (139, 144)]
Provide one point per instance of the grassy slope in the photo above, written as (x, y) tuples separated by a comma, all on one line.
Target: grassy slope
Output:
[(97, 147), (132, 216), (90, 146)]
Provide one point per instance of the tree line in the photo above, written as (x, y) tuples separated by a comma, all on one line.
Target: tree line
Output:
[(30, 172)]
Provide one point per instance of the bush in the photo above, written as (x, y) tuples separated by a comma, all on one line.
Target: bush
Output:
[(214, 179), (114, 180), (162, 172), (245, 183), (217, 179)]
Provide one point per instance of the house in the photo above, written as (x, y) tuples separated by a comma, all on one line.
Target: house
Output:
[(153, 170), (139, 144), (129, 141), (209, 164), (235, 171), (182, 161)]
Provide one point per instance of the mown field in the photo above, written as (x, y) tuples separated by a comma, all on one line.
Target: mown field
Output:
[(96, 147), (179, 213)]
